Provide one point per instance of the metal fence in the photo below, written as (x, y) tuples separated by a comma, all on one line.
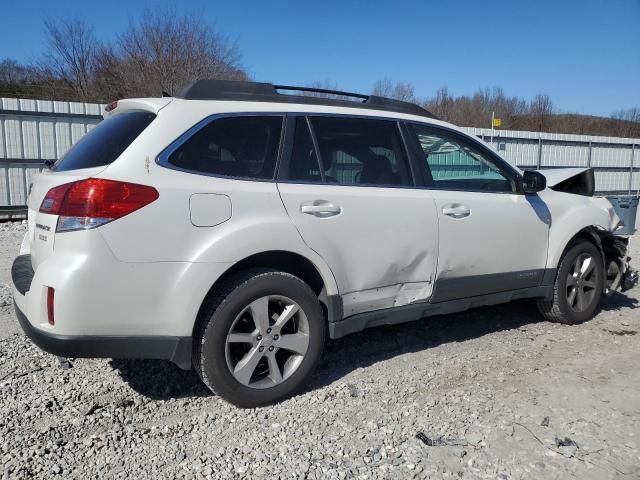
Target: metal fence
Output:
[(32, 131), (616, 161)]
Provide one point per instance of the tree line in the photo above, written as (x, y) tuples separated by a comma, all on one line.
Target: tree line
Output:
[(163, 50), (536, 115)]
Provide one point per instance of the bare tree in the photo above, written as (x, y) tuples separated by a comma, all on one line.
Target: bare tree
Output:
[(541, 110), (628, 122), (441, 104), (326, 84), (70, 55), (404, 91), (629, 115), (165, 51), (399, 91), (12, 72), (383, 88)]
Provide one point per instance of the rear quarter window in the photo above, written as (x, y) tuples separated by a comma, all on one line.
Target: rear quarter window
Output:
[(106, 142), (240, 147)]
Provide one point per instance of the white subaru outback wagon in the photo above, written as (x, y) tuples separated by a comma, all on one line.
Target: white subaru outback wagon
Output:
[(235, 227)]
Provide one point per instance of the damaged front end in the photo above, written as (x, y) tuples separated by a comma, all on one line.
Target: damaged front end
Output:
[(573, 180), (614, 243), (614, 240), (578, 181), (619, 274)]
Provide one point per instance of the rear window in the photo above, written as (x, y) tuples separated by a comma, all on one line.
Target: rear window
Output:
[(106, 142)]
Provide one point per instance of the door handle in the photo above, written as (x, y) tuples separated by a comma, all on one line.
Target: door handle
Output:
[(322, 210), (456, 211)]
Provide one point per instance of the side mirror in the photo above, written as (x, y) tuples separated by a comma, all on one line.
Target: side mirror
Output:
[(533, 182)]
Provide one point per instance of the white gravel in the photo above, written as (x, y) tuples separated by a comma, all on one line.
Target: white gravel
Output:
[(494, 393)]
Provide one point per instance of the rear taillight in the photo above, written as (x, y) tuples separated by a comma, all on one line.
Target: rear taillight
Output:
[(94, 202), (52, 202)]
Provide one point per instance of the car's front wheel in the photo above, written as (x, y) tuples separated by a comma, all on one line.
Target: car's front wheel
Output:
[(259, 337), (578, 286)]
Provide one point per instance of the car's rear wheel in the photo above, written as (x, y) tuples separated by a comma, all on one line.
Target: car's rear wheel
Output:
[(578, 285), (259, 337)]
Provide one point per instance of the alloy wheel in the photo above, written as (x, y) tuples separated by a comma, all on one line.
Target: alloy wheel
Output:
[(582, 282), (267, 341)]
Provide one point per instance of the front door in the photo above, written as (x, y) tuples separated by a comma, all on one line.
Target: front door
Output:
[(492, 237), (348, 187)]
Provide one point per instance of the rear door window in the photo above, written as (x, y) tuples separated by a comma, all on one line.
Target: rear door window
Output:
[(106, 142), (353, 151), (242, 147)]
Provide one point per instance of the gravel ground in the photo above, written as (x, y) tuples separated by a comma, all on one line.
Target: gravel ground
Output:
[(490, 393)]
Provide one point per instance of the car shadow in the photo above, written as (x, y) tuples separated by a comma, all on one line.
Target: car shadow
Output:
[(161, 380), (617, 301), (379, 344)]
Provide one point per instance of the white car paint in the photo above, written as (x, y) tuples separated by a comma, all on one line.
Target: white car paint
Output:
[(149, 272), (356, 242), (572, 213), (502, 233)]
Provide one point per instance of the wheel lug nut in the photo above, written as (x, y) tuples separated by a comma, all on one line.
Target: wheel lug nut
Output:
[(268, 330), (271, 348), (259, 337), (261, 349), (275, 337)]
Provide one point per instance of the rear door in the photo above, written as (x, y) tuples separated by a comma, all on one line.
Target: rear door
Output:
[(348, 187), (492, 237)]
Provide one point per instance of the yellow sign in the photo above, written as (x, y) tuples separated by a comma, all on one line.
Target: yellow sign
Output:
[(497, 122)]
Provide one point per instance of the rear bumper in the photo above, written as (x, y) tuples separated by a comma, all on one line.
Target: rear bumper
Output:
[(28, 300), (175, 349)]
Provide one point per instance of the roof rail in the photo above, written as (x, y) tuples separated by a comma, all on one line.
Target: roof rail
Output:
[(267, 92), (321, 90)]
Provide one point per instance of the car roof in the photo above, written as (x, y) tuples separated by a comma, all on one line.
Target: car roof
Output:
[(204, 108), (227, 90)]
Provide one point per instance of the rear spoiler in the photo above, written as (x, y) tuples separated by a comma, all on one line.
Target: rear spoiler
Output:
[(153, 105)]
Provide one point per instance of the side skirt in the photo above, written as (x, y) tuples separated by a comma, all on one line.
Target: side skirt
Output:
[(410, 313)]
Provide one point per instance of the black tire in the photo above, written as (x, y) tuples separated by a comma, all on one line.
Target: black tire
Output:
[(565, 307), (220, 314)]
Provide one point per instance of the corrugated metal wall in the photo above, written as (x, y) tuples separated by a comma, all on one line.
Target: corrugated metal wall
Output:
[(32, 131), (613, 159)]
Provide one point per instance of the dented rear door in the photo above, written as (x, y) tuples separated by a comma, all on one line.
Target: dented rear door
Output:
[(381, 242)]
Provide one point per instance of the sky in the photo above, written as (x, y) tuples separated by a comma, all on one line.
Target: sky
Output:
[(584, 54)]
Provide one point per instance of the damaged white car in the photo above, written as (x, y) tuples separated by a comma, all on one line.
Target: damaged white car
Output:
[(233, 228)]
